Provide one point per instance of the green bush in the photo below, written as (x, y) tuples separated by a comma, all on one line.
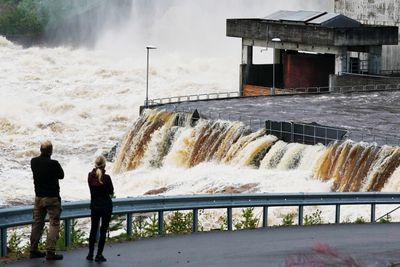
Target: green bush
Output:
[(314, 218), (144, 226), (151, 227), (17, 249), (223, 223), (386, 219), (15, 246), (249, 221), (179, 222), (360, 220), (288, 219), (78, 238), (22, 17)]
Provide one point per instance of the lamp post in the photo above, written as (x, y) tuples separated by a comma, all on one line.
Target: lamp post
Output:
[(274, 40), (147, 75)]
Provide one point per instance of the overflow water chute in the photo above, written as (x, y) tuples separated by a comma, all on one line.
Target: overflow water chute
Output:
[(160, 138)]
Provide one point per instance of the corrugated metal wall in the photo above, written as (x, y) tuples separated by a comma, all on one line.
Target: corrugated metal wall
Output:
[(307, 70)]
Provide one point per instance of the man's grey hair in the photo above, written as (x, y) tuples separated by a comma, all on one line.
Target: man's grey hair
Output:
[(46, 148)]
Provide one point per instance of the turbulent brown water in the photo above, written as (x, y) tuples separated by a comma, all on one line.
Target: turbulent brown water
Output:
[(156, 139)]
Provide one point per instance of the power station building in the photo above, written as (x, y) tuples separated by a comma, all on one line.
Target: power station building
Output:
[(311, 49), (376, 12)]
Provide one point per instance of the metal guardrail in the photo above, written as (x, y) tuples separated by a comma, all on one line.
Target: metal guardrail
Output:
[(365, 88), (292, 91), (286, 91), (253, 122), (177, 99), (18, 216), (382, 73)]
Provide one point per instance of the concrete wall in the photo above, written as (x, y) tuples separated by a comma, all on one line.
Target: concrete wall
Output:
[(380, 12), (307, 70), (293, 35)]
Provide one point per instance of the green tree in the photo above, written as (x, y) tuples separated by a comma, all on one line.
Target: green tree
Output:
[(288, 219), (23, 17), (249, 221)]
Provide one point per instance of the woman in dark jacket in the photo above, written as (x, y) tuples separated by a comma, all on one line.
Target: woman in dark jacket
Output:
[(101, 190)]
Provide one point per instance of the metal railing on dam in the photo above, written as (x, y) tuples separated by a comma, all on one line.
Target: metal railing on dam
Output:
[(196, 97), (286, 91), (19, 216)]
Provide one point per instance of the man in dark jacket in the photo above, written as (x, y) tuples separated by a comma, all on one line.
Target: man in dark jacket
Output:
[(46, 173)]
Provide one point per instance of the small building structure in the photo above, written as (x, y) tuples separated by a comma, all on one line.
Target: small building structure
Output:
[(309, 47), (376, 12)]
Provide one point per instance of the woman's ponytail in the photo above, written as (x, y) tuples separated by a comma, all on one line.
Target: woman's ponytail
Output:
[(100, 164)]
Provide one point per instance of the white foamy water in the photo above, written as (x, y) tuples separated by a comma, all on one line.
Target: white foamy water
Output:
[(85, 101)]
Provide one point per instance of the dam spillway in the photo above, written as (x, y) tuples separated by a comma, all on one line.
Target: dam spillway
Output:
[(156, 139), (369, 116)]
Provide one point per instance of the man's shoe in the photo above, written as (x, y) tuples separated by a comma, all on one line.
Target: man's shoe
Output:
[(100, 258), (37, 254), (52, 256)]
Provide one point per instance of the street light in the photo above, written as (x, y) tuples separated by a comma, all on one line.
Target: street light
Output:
[(274, 40), (147, 75)]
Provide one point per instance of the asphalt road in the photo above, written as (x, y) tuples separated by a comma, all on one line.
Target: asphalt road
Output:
[(327, 245)]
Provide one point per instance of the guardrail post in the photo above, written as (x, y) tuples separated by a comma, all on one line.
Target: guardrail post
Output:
[(229, 219), (373, 207), (195, 220), (160, 222), (129, 224), (3, 236), (265, 216), (67, 232), (337, 214), (301, 214)]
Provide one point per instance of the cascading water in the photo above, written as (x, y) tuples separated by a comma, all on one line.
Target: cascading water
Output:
[(84, 100), (350, 166)]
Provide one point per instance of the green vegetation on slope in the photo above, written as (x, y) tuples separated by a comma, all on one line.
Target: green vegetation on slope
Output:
[(21, 17)]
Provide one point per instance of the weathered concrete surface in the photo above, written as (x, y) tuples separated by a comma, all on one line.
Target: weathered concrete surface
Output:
[(290, 34), (369, 245), (378, 12), (370, 10)]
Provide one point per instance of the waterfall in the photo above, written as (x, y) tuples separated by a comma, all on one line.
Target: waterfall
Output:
[(135, 143), (274, 156), (160, 138)]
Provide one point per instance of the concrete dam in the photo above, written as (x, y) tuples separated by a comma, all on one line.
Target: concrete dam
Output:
[(160, 138)]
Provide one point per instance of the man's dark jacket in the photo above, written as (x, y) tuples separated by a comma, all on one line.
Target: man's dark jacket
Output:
[(46, 173)]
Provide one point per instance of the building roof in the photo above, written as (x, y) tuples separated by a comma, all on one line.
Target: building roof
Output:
[(311, 31), (316, 18)]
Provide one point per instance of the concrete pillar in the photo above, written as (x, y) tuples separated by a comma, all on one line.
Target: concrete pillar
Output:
[(341, 64), (375, 59), (247, 61), (332, 82), (247, 54)]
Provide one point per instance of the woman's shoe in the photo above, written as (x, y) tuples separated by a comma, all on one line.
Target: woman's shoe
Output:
[(89, 257), (100, 258)]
